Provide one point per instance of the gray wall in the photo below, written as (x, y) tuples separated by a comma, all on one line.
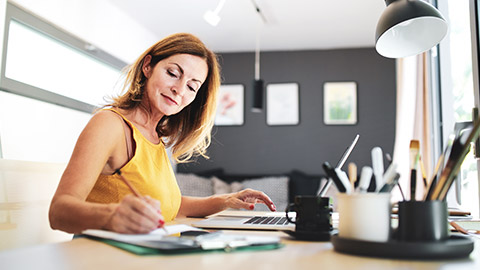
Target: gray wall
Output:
[(256, 148)]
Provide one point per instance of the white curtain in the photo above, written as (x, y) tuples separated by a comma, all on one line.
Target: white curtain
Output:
[(413, 122)]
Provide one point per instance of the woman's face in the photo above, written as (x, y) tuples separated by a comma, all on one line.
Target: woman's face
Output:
[(173, 83)]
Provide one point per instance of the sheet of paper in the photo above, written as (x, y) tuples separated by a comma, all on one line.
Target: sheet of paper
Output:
[(469, 224), (154, 235)]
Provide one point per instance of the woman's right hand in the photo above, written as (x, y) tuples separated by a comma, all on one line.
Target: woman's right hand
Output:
[(135, 215)]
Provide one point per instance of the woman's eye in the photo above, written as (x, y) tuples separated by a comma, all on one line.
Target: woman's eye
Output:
[(192, 88), (172, 74)]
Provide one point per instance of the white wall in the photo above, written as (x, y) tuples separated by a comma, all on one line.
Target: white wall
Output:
[(98, 22)]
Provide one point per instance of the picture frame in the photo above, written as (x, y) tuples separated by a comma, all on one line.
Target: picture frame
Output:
[(230, 105), (282, 104), (340, 103)]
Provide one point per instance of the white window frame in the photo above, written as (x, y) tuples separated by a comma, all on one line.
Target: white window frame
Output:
[(10, 11), (444, 121), (14, 12)]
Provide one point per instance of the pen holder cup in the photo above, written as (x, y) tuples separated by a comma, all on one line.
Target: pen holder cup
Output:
[(364, 216), (313, 214), (422, 221)]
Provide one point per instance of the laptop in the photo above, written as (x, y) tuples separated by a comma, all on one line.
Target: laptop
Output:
[(249, 220)]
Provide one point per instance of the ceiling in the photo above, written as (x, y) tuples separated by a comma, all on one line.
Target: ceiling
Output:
[(290, 24)]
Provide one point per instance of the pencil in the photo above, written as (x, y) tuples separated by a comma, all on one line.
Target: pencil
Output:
[(132, 188), (352, 174), (134, 191)]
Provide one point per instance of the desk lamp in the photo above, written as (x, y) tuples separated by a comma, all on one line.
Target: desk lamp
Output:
[(408, 27)]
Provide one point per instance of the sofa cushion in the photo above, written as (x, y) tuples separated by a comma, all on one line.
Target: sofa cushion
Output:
[(222, 187), (194, 185), (275, 187), (218, 172)]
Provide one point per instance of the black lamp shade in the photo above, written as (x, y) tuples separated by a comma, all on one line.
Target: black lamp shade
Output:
[(257, 96), (408, 27)]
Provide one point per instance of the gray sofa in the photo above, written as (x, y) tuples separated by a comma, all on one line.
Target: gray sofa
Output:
[(281, 188)]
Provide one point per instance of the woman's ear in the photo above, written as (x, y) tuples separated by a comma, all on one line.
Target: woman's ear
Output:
[(146, 68)]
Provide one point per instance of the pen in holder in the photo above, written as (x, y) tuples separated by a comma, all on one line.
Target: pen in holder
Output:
[(422, 221)]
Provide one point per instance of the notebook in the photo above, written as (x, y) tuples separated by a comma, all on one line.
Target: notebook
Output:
[(242, 220), (180, 238)]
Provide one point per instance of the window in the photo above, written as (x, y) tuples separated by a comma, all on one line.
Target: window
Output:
[(34, 130), (50, 82), (56, 67), (457, 94)]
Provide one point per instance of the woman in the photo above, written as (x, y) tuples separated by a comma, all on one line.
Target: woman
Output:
[(170, 100)]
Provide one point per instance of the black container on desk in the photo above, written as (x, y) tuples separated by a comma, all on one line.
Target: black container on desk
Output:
[(313, 220), (422, 233), (422, 221)]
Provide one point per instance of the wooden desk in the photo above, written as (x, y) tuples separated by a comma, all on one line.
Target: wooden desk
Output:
[(89, 254)]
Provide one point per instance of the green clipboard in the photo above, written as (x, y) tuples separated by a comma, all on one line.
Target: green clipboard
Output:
[(166, 249)]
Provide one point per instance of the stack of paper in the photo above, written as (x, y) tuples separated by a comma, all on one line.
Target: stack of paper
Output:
[(178, 237)]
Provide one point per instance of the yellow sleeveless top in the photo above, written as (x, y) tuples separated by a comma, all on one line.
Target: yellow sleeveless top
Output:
[(149, 171)]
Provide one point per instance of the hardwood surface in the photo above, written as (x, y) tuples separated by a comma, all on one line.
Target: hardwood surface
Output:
[(84, 253)]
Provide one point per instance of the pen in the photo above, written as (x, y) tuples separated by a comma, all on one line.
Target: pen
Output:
[(377, 166), (324, 189), (347, 152), (390, 185), (134, 191), (365, 177), (344, 178), (390, 173), (333, 176)]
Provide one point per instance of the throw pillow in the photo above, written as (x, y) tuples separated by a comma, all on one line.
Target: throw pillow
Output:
[(194, 185), (222, 187)]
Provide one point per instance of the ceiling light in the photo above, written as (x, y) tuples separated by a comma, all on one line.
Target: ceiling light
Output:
[(408, 27), (212, 16), (258, 89)]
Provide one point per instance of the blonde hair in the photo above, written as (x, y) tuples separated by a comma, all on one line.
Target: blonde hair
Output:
[(189, 131)]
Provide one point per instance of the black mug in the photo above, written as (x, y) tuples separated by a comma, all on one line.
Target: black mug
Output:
[(422, 221), (314, 214)]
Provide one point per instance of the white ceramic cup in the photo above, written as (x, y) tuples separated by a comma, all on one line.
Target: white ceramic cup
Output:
[(364, 216)]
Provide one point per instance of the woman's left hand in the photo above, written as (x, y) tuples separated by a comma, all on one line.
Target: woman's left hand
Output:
[(247, 199)]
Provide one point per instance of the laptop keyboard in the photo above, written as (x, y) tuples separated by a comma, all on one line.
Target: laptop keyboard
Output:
[(267, 220)]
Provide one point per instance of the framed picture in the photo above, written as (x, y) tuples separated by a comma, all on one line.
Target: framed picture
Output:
[(340, 103), (230, 105), (282, 104)]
